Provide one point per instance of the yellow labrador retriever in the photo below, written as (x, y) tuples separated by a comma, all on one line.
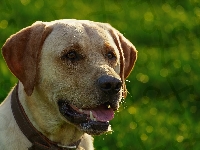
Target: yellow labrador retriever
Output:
[(71, 80)]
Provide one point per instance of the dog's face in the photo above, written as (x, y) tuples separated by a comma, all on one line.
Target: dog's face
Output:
[(80, 69)]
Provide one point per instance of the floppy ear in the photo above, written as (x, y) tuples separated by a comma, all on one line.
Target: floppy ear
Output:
[(128, 57), (22, 51), (128, 54)]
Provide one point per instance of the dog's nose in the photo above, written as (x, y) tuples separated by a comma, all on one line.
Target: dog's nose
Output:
[(109, 84)]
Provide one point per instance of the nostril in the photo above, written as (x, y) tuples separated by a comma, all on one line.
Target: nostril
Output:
[(106, 86), (118, 86)]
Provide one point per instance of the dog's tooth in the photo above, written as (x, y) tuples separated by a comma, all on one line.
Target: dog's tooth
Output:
[(91, 115), (109, 106), (109, 128), (110, 131)]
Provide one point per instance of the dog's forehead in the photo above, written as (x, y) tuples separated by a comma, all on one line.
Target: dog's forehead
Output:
[(82, 32)]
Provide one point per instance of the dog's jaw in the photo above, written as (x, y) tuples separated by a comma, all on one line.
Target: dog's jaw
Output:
[(93, 121)]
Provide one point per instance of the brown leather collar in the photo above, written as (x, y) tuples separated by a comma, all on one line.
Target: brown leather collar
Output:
[(39, 141)]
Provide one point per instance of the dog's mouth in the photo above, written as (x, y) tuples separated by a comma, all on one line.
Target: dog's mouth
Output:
[(93, 120)]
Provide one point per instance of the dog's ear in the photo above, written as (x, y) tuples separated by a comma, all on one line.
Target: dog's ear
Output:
[(22, 51), (128, 57)]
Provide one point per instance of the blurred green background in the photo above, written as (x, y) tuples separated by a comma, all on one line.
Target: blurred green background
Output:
[(161, 111)]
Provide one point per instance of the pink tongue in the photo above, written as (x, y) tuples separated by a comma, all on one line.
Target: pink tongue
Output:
[(103, 114)]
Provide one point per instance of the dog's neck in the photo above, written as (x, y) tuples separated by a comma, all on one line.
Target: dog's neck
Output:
[(44, 117)]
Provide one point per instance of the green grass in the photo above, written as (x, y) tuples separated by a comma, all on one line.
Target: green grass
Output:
[(161, 111)]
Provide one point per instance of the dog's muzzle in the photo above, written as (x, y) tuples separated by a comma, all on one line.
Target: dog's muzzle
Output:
[(95, 120)]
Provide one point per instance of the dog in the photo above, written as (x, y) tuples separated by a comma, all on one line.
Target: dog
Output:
[(71, 80)]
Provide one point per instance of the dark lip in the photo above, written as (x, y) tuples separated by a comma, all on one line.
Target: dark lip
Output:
[(96, 126), (70, 114), (81, 120)]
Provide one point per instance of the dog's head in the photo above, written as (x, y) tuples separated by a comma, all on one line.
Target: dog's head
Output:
[(77, 67)]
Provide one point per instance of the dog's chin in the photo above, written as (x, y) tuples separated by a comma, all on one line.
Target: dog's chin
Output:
[(94, 121)]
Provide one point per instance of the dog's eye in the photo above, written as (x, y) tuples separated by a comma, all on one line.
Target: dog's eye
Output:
[(110, 55), (71, 55)]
